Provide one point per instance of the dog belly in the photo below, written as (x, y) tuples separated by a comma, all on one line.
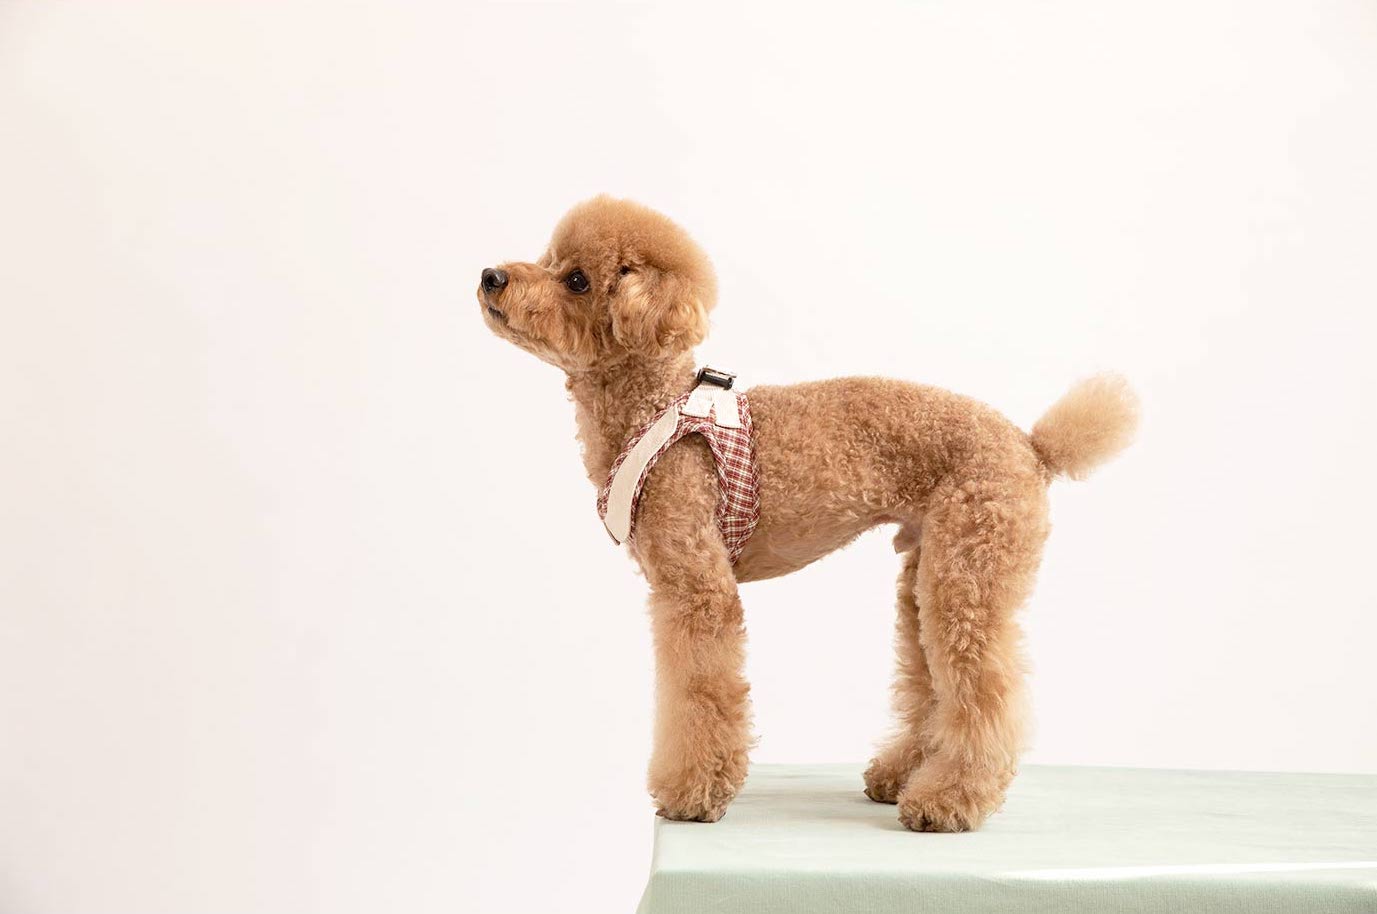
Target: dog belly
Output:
[(772, 552)]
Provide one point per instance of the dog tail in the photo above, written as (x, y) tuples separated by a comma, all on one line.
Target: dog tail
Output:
[(1095, 420)]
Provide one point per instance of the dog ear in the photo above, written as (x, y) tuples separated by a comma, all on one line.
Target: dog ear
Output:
[(662, 284), (656, 311)]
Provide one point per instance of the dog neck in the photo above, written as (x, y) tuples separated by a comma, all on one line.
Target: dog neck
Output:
[(612, 404)]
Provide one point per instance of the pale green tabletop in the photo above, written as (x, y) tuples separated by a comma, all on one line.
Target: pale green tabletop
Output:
[(804, 840)]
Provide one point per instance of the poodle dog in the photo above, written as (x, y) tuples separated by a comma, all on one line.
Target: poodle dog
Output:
[(618, 301)]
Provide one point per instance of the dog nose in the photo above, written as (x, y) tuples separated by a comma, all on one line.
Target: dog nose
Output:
[(493, 279)]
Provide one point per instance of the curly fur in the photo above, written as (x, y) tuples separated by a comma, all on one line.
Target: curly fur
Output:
[(1092, 423), (967, 488)]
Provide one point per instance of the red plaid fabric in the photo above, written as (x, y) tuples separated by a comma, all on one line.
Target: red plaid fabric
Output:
[(738, 509)]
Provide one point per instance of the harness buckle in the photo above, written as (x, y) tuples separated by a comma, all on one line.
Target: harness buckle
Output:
[(716, 378)]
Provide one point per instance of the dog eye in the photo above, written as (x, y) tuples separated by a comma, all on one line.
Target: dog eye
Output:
[(577, 282)]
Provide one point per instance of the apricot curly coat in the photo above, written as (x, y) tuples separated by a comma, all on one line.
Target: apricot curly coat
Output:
[(618, 301)]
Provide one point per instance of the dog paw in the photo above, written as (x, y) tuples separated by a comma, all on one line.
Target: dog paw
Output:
[(949, 805), (706, 802), (698, 792), (892, 767), (883, 781)]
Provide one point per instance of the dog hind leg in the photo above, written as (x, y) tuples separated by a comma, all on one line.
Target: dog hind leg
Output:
[(912, 697), (981, 545)]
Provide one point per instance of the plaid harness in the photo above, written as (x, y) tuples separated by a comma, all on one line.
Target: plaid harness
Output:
[(721, 416)]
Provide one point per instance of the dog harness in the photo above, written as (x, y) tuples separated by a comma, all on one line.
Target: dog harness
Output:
[(712, 409)]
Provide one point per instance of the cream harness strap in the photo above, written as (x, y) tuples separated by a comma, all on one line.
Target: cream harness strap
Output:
[(723, 417)]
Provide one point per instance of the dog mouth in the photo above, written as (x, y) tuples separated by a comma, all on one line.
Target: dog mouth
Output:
[(497, 314)]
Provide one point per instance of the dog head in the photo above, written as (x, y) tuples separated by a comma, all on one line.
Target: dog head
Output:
[(618, 281)]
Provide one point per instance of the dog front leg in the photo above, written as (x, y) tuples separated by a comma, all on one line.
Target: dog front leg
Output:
[(702, 724)]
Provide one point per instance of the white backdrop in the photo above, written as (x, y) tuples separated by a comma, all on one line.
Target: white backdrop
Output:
[(279, 636)]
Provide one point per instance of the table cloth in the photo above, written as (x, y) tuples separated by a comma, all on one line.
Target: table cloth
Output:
[(803, 839)]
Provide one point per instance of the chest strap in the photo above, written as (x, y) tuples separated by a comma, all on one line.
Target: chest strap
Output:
[(722, 416)]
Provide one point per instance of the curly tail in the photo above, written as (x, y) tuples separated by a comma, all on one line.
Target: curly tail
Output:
[(1090, 424)]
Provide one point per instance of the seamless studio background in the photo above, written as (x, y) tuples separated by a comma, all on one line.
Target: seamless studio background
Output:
[(285, 631)]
